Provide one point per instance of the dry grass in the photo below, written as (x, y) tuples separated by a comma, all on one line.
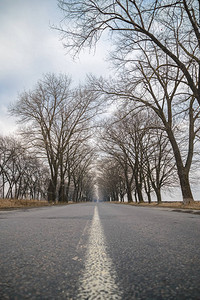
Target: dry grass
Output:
[(25, 203), (15, 203), (177, 205)]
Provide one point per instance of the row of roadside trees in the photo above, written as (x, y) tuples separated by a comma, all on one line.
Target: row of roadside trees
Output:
[(156, 53), (22, 175), (139, 159), (56, 126), (56, 159)]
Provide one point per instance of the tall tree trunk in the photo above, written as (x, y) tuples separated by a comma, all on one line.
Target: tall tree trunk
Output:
[(185, 186), (129, 194), (147, 188), (183, 172), (67, 188), (52, 190), (138, 187), (62, 196), (149, 197), (128, 185), (139, 192), (136, 199), (157, 190), (158, 195)]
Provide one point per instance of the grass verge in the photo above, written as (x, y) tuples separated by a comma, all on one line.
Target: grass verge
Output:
[(23, 203), (177, 204)]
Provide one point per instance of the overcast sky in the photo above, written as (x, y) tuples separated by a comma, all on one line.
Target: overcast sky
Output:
[(29, 48)]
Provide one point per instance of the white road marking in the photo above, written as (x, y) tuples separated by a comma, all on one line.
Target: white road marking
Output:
[(99, 278)]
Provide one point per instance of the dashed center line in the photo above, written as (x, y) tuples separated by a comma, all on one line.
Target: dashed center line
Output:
[(99, 278)]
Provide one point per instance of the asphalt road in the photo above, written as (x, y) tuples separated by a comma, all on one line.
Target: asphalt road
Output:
[(99, 251)]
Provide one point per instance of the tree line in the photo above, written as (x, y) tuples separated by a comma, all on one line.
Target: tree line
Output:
[(58, 160), (22, 175), (155, 52), (56, 126), (138, 160)]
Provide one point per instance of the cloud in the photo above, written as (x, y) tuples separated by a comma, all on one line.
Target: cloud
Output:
[(30, 48)]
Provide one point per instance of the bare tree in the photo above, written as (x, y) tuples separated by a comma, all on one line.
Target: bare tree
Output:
[(54, 113), (137, 143), (22, 174), (159, 165), (160, 87), (167, 24), (40, 110)]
